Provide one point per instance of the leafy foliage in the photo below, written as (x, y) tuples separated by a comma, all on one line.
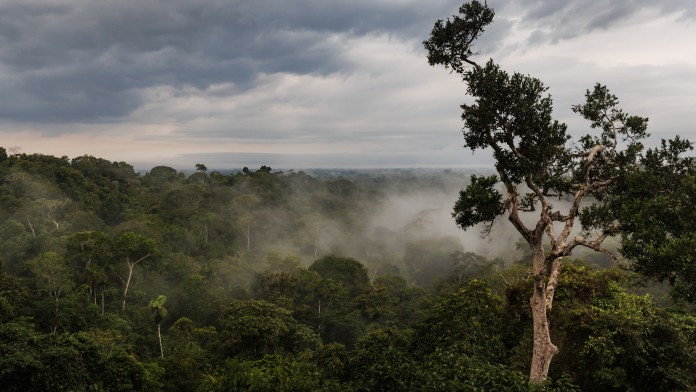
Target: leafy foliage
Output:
[(254, 328), (662, 194), (480, 202), (468, 321), (610, 339), (511, 116), (259, 317)]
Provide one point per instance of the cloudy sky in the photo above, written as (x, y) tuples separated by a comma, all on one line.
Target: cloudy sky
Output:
[(313, 83)]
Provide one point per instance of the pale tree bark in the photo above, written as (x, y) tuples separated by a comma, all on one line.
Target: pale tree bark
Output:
[(127, 283), (131, 267), (546, 271), (246, 204), (541, 303), (543, 349), (57, 298), (546, 268), (159, 335), (321, 316), (159, 312), (50, 209), (33, 233)]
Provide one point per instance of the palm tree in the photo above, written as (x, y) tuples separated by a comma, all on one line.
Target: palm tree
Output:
[(159, 312)]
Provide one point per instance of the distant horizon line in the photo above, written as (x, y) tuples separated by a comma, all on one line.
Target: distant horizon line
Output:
[(220, 161), (178, 167)]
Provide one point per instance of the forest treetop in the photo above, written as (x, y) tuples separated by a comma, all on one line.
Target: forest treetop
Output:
[(540, 167)]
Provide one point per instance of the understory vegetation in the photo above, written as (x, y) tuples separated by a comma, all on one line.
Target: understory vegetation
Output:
[(264, 280)]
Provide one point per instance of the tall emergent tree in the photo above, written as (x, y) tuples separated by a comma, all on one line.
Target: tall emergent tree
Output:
[(159, 312), (133, 248), (537, 162)]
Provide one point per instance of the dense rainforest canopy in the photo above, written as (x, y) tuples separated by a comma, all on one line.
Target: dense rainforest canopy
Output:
[(282, 281)]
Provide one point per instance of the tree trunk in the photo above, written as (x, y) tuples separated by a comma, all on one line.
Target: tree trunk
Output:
[(321, 318), (125, 291), (33, 233), (131, 267), (55, 327), (159, 335), (544, 349)]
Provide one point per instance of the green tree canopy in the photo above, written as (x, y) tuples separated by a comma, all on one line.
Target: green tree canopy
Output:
[(253, 328), (536, 162), (663, 194), (346, 270)]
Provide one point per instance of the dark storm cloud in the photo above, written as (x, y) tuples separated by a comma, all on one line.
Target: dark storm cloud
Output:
[(83, 61)]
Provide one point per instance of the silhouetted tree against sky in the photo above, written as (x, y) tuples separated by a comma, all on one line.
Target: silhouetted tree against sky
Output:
[(537, 162)]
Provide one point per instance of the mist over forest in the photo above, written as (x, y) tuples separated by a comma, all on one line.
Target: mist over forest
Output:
[(269, 279), (151, 241)]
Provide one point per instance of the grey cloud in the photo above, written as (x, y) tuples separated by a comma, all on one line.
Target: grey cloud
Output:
[(568, 19), (84, 61), (81, 60)]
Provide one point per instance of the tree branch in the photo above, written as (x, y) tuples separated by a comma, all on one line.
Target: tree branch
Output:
[(594, 244), (141, 259), (511, 204), (545, 223)]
